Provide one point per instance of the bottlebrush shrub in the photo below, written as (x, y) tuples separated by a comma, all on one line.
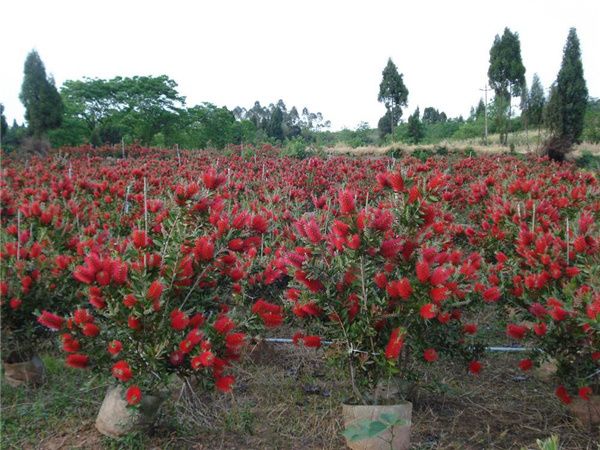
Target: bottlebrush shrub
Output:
[(550, 275), (384, 283), (33, 268), (153, 308)]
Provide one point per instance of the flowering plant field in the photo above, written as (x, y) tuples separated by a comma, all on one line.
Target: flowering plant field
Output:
[(159, 263)]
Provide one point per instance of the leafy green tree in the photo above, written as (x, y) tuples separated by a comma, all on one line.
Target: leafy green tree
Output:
[(3, 125), (506, 76), (591, 125), (134, 108), (480, 110), (275, 126), (432, 115), (536, 102), (393, 93), (43, 104), (571, 94), (415, 129)]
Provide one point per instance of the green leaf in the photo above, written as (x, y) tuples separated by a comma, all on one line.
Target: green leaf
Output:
[(364, 429)]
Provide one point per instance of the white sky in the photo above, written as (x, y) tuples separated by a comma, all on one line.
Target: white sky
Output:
[(326, 55)]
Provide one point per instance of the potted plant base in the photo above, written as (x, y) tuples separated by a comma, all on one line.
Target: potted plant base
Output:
[(23, 373), (586, 411), (116, 418), (390, 423)]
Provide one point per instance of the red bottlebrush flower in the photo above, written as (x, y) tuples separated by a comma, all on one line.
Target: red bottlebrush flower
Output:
[(84, 274), (390, 248), (470, 328), (558, 314), (78, 360), (154, 292), (15, 303), (346, 201), (563, 395), (439, 276), (82, 316), (260, 224), (395, 344), (540, 329), (271, 320), (121, 371), (312, 341), (204, 249), (114, 347), (353, 242), (223, 325), (525, 364), (224, 384), (90, 330), (380, 280), (234, 341), (516, 331), (538, 310), (119, 272), (207, 358), (428, 311), (140, 239), (134, 323), (103, 278), (297, 337), (492, 294), (236, 245), (340, 228), (211, 180), (585, 392), (572, 271), (475, 367), (50, 320), (70, 345), (197, 320), (422, 269), (179, 320), (396, 182), (129, 301), (439, 294), (400, 288), (133, 395), (430, 355)]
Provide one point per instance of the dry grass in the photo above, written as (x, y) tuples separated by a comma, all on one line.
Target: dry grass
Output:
[(521, 146), (288, 398)]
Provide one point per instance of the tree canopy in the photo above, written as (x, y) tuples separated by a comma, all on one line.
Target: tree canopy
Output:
[(393, 93), (43, 104)]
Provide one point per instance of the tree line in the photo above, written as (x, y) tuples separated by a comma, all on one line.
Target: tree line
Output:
[(150, 110)]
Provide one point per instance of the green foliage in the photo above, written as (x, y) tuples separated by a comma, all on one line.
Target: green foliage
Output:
[(3, 124), (506, 76), (536, 102), (295, 148), (206, 125), (571, 93), (589, 161), (392, 93), (43, 104), (415, 128), (591, 122), (121, 108)]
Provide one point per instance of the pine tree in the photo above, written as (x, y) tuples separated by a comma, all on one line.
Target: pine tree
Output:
[(43, 104), (393, 93), (571, 91)]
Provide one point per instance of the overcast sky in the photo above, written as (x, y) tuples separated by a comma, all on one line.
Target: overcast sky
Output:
[(325, 55)]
